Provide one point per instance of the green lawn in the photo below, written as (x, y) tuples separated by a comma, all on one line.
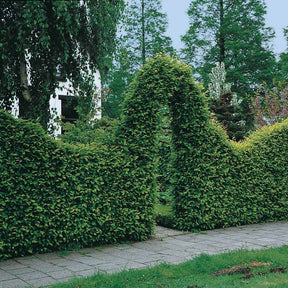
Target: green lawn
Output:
[(253, 269)]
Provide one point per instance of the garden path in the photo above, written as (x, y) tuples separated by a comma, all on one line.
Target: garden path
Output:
[(170, 246)]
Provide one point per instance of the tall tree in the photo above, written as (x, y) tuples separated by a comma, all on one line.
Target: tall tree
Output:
[(42, 38), (142, 35), (232, 32), (283, 60)]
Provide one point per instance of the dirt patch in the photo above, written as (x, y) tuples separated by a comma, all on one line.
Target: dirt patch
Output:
[(238, 269), (278, 270), (248, 270)]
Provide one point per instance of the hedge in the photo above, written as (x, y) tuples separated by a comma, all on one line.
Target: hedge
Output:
[(56, 196), (217, 182)]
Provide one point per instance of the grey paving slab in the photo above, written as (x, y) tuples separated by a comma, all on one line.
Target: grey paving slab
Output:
[(6, 275), (86, 273), (15, 283), (45, 281), (21, 271), (61, 274), (169, 246)]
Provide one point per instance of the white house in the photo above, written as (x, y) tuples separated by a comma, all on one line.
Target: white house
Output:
[(63, 105), (65, 102)]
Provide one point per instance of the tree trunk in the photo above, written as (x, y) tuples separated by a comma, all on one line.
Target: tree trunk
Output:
[(24, 79), (221, 34), (143, 31)]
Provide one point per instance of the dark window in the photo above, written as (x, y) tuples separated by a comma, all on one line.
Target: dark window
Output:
[(68, 108)]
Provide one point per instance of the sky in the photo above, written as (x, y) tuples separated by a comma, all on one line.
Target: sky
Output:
[(178, 20)]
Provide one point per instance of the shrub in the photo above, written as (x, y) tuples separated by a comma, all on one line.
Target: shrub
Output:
[(218, 183), (58, 196), (270, 106)]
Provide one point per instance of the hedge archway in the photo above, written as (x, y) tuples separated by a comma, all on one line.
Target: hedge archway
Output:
[(219, 183)]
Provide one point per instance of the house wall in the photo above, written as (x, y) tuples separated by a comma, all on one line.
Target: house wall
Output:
[(65, 89)]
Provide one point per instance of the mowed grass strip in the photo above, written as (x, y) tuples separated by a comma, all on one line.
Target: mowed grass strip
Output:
[(259, 268)]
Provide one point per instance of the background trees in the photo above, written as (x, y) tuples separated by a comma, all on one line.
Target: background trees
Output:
[(141, 35), (49, 37), (232, 32)]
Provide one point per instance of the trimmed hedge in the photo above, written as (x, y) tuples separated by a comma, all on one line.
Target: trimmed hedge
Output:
[(57, 196), (217, 182)]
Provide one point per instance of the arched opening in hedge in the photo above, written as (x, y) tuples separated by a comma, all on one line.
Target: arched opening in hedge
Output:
[(218, 183)]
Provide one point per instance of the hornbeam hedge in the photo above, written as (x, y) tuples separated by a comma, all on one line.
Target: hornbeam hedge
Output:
[(58, 196)]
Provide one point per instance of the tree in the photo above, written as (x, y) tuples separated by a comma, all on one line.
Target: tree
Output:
[(142, 35), (270, 105), (218, 85), (224, 104), (40, 39), (232, 32), (283, 60)]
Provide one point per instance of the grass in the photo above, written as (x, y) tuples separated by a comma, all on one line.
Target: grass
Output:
[(164, 215), (251, 269), (162, 209)]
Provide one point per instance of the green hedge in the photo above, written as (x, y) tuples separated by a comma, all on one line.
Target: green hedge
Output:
[(57, 196), (217, 182)]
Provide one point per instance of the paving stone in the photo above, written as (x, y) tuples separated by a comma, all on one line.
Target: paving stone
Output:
[(11, 265), (132, 265), (15, 283), (42, 282), (32, 275), (168, 246), (60, 263), (78, 267), (21, 271), (45, 267), (6, 275), (109, 268), (169, 259), (86, 273), (47, 257), (91, 261), (152, 245), (60, 274)]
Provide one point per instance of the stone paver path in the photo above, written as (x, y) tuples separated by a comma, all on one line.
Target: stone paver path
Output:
[(168, 246)]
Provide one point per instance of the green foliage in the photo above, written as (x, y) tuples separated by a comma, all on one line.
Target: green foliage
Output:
[(224, 104), (164, 216), (59, 196), (228, 115), (56, 196), (89, 132), (142, 35), (234, 33), (39, 39), (217, 183), (283, 61), (234, 184)]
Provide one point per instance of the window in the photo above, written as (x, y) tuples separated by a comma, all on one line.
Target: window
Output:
[(68, 108)]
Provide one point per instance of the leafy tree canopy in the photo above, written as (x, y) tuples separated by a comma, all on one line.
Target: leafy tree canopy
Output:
[(42, 38), (141, 36), (232, 32)]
